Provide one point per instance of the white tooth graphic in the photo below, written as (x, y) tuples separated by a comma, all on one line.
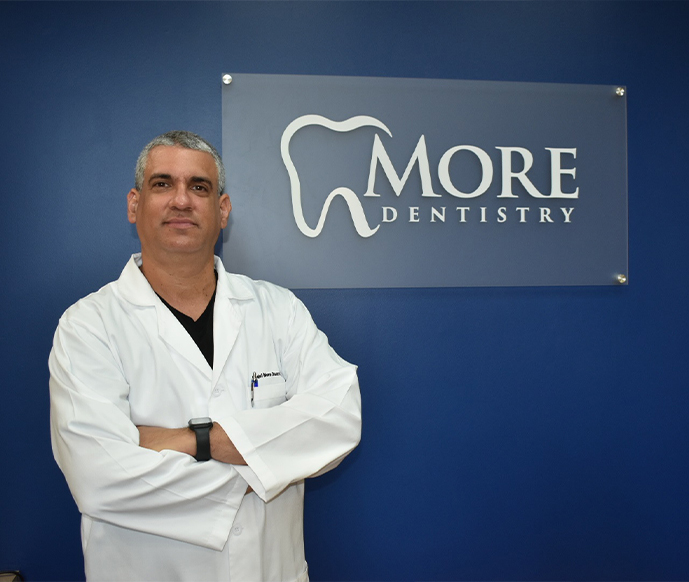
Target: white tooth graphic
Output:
[(355, 208)]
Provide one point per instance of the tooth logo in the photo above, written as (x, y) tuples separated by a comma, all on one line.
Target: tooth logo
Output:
[(355, 208)]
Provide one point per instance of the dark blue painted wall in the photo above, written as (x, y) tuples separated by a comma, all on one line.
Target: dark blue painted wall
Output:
[(510, 434)]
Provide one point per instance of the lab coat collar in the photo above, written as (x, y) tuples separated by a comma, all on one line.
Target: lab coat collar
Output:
[(231, 286), (228, 314), (133, 286), (136, 289)]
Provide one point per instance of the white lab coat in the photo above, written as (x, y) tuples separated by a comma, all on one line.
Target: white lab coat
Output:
[(120, 359)]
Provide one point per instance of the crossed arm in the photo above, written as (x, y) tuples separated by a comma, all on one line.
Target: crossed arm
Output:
[(183, 440)]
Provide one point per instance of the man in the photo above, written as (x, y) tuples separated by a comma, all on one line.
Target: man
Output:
[(139, 369)]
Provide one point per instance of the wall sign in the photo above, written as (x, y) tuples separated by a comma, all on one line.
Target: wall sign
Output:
[(343, 182)]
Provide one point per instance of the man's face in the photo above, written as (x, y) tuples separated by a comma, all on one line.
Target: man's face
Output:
[(178, 209)]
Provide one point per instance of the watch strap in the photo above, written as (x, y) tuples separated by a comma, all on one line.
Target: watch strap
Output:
[(203, 444), (203, 440)]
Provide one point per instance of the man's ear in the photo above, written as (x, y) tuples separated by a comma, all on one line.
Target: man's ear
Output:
[(225, 209), (132, 205)]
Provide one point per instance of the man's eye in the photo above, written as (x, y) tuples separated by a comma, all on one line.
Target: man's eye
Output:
[(200, 188), (160, 184)]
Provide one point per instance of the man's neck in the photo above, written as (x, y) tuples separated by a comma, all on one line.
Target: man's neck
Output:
[(187, 285)]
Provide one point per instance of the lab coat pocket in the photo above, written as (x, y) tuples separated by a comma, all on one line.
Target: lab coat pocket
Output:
[(270, 392)]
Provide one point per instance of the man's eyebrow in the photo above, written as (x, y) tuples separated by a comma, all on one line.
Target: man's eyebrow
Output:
[(159, 176), (193, 179)]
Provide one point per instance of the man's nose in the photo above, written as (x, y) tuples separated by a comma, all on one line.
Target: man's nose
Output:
[(181, 197)]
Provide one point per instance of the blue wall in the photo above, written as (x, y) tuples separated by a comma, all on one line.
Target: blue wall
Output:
[(510, 434)]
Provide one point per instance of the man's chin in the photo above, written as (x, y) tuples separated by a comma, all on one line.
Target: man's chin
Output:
[(181, 247)]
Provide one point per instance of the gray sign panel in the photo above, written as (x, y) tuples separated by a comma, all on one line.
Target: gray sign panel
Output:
[(379, 182)]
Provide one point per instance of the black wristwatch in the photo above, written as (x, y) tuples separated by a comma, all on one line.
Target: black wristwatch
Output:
[(202, 427)]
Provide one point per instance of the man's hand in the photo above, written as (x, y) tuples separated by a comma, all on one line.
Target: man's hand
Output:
[(183, 440), (223, 449)]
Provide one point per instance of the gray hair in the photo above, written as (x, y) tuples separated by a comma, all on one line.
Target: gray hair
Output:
[(184, 139)]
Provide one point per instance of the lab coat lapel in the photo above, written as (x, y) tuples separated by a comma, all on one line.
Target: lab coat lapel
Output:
[(228, 316), (227, 321), (135, 288), (172, 332)]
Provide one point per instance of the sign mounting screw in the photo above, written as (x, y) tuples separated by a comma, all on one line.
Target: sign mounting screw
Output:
[(620, 91), (621, 279), (227, 79)]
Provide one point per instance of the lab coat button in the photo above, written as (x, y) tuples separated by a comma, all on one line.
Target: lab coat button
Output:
[(237, 530), (217, 391)]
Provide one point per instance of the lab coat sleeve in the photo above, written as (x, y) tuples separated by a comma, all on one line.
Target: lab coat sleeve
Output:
[(113, 479), (316, 427)]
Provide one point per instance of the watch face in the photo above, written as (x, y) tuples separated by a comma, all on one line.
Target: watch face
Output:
[(200, 422)]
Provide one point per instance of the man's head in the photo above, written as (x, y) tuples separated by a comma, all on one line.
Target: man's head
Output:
[(184, 139), (178, 205)]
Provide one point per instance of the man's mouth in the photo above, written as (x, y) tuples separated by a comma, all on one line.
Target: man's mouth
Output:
[(180, 223)]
